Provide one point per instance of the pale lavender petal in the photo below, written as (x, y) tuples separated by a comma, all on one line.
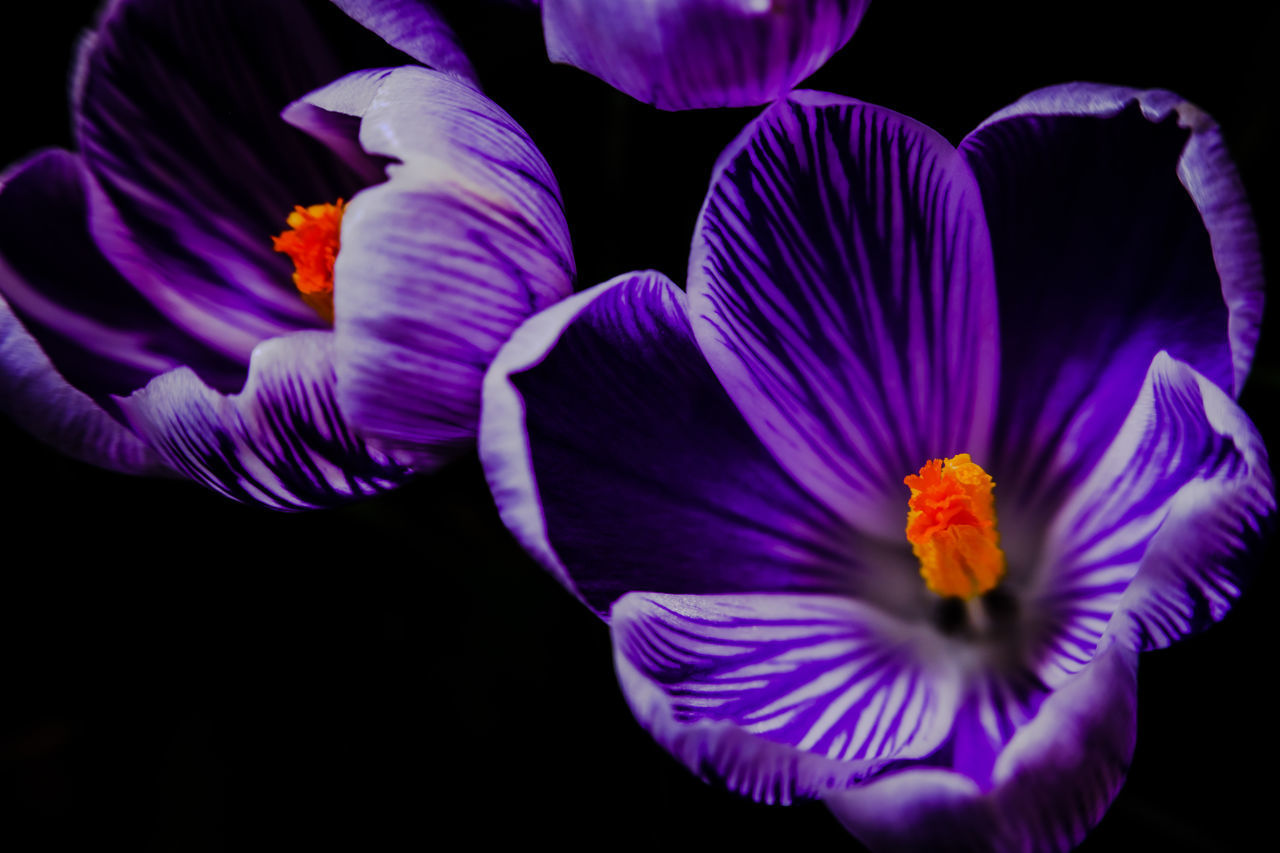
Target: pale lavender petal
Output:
[(178, 117), (440, 264), (281, 442), (39, 400), (415, 27), (1162, 528), (98, 332), (1120, 228), (332, 115), (690, 54), (617, 459), (841, 286), (779, 696), (1050, 786), (918, 809)]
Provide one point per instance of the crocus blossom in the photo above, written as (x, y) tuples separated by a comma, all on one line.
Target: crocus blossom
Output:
[(884, 509), (150, 321), (674, 54)]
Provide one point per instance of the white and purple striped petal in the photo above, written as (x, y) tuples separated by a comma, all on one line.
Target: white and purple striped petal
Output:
[(841, 286), (616, 458), (439, 264), (691, 54), (1161, 532), (1049, 787), (1120, 228), (779, 696), (177, 113), (281, 442)]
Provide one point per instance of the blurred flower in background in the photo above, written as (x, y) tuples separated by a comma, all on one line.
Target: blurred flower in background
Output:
[(164, 311), (1068, 304)]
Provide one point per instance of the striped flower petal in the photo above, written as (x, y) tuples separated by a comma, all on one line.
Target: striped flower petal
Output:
[(691, 54), (615, 457), (1050, 786), (1161, 531), (841, 286), (281, 442), (177, 114), (439, 264), (778, 696), (1120, 228)]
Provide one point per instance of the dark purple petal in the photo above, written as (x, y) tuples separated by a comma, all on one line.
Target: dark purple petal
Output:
[(1120, 228), (841, 287), (39, 400), (440, 264), (690, 54), (616, 458), (1162, 528), (178, 117), (778, 696), (98, 332), (1050, 786), (281, 442), (416, 28)]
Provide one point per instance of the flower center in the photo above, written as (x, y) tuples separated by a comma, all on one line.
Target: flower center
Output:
[(951, 525), (312, 243)]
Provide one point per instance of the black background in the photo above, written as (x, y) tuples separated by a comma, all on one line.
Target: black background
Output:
[(178, 672)]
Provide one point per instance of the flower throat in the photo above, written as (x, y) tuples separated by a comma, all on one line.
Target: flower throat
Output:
[(951, 525), (312, 243)]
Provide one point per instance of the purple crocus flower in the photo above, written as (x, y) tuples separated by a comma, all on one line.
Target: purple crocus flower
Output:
[(1071, 298), (147, 324), (674, 54)]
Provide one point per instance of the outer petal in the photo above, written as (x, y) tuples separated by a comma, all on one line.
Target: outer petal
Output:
[(1050, 786), (841, 287), (415, 27), (690, 54), (99, 333), (35, 395), (1162, 528), (779, 696), (1120, 228), (177, 113), (281, 442), (439, 264), (618, 460)]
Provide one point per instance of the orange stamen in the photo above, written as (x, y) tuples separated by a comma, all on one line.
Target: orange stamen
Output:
[(312, 242), (951, 525)]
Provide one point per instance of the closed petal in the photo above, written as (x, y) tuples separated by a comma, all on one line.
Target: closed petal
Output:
[(281, 442), (415, 27), (1160, 533), (841, 287), (778, 696), (100, 335), (1120, 228), (36, 396), (617, 459), (178, 118), (438, 266), (691, 54)]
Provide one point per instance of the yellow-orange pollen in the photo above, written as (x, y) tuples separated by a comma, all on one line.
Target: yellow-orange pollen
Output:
[(312, 243), (951, 525)]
